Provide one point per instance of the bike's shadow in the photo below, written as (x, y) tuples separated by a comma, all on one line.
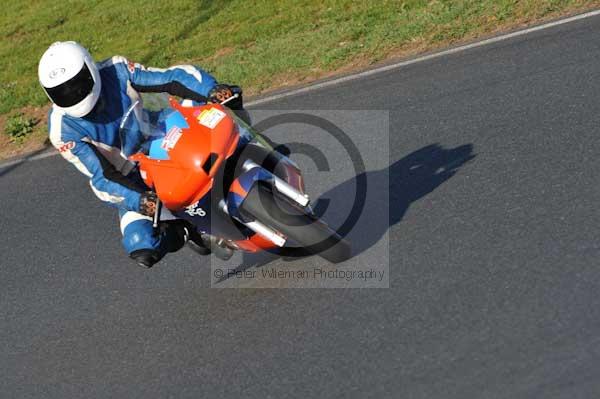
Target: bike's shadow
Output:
[(403, 182)]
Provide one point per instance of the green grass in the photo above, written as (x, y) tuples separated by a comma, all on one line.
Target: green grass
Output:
[(18, 127), (257, 44)]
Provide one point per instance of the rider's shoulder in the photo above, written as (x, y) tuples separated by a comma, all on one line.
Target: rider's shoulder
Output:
[(124, 68), (114, 60), (117, 61), (55, 115), (60, 124)]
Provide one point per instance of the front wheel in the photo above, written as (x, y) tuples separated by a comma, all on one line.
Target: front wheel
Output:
[(267, 206)]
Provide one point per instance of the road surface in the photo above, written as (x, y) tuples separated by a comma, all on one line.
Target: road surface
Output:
[(494, 271)]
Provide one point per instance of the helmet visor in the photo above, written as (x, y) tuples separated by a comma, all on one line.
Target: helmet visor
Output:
[(73, 90)]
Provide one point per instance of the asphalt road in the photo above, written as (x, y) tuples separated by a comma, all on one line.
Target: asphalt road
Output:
[(493, 257)]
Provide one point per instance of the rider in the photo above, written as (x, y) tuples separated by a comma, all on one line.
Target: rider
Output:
[(89, 101)]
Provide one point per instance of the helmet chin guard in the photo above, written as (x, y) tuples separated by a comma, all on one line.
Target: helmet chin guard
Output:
[(70, 78)]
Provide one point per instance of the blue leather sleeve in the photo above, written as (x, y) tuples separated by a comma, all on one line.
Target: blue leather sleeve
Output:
[(180, 80), (107, 183), (112, 191)]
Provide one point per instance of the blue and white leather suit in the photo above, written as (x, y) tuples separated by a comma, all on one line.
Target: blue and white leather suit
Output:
[(93, 143)]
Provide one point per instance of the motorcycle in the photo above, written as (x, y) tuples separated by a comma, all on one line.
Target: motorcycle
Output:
[(210, 168)]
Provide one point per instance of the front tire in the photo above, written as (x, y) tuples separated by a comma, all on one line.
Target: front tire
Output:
[(267, 206)]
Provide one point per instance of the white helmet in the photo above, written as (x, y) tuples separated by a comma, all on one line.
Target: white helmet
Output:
[(70, 78)]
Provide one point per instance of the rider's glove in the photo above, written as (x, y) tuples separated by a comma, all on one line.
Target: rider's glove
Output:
[(148, 203), (222, 92)]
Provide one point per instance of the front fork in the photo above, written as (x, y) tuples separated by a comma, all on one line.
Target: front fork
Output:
[(254, 174)]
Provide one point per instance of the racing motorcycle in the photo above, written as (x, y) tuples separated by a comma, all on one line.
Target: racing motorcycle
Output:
[(210, 168)]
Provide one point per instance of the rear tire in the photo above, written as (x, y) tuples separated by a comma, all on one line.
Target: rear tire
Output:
[(294, 221)]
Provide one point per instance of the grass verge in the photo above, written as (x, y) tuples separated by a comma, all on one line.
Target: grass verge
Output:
[(261, 44)]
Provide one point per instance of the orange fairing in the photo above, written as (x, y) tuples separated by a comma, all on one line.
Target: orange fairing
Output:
[(255, 243), (182, 179)]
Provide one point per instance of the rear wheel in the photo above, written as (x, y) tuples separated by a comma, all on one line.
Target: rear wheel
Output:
[(267, 206)]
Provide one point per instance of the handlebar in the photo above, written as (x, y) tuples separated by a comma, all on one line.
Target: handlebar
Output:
[(236, 95)]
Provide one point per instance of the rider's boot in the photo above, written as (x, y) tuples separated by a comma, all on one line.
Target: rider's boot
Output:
[(196, 243), (217, 246), (204, 244)]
